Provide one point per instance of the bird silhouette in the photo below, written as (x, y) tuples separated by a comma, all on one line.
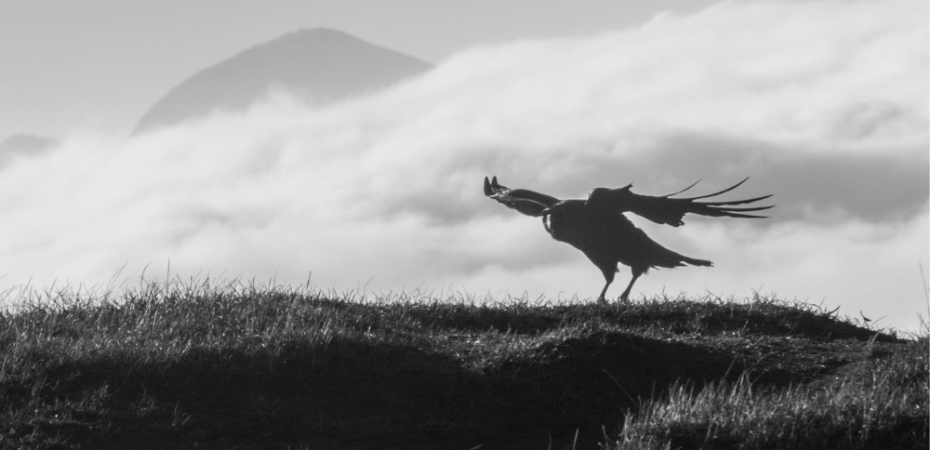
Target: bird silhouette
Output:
[(599, 229)]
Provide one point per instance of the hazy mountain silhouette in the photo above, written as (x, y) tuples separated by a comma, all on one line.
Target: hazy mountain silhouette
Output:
[(24, 145), (320, 65)]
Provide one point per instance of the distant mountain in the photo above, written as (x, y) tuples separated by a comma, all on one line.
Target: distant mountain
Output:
[(320, 65), (24, 145)]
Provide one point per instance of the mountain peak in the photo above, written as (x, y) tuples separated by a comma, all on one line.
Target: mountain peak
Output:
[(320, 65)]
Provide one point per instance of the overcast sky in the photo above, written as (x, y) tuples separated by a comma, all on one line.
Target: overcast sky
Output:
[(103, 63), (823, 104)]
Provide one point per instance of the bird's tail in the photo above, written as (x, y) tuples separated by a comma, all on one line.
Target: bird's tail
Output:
[(697, 262), (655, 255), (671, 260)]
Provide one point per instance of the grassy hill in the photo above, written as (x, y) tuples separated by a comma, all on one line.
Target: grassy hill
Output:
[(242, 366)]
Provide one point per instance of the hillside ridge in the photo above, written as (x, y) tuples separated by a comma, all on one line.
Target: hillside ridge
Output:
[(203, 366)]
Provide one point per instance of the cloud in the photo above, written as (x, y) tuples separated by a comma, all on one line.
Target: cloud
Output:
[(823, 104)]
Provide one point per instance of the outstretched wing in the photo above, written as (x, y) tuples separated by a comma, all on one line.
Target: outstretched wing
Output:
[(526, 201), (670, 211)]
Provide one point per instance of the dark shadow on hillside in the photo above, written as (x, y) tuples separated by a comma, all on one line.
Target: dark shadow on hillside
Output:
[(588, 384), (356, 395)]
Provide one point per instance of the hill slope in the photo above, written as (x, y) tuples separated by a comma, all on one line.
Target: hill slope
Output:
[(202, 366), (321, 65)]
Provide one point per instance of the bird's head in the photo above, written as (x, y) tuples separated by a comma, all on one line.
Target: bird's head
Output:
[(546, 220)]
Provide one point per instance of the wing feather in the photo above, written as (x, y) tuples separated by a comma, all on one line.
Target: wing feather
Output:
[(670, 211), (525, 201)]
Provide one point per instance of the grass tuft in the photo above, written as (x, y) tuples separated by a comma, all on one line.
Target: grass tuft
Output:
[(878, 403)]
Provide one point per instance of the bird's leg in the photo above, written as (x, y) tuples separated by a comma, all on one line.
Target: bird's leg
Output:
[(608, 269), (625, 296), (601, 298)]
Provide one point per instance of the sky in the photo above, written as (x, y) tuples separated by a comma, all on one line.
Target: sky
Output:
[(100, 64), (822, 103)]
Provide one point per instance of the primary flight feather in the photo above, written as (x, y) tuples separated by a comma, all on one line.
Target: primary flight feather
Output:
[(599, 229)]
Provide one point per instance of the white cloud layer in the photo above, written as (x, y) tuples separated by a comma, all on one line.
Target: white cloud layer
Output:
[(824, 104)]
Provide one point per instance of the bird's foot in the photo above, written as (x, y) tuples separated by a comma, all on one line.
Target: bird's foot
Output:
[(601, 300)]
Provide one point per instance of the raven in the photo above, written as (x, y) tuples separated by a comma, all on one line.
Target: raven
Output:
[(599, 229)]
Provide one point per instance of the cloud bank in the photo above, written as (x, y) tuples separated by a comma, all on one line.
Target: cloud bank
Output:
[(823, 104)]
